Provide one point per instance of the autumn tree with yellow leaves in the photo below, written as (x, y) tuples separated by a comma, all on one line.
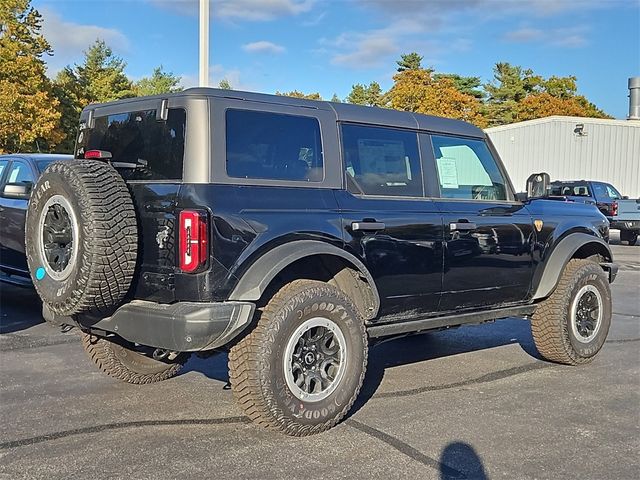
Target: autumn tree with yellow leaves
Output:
[(29, 113), (415, 90)]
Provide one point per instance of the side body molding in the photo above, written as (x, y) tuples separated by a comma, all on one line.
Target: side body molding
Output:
[(561, 255), (256, 279)]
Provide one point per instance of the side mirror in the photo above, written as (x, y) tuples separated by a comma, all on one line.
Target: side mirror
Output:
[(17, 190), (625, 197), (538, 185)]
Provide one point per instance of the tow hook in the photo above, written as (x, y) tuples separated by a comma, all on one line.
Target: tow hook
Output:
[(163, 354)]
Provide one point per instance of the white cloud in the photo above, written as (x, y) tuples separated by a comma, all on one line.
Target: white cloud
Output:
[(489, 8), (251, 10), (370, 51), (372, 48), (524, 35), (263, 46), (69, 40), (571, 37)]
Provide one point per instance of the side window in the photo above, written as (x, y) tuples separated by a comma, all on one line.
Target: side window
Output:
[(20, 172), (3, 166), (467, 170), (153, 149), (273, 146), (382, 161)]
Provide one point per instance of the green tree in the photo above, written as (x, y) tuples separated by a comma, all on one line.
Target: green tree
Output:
[(297, 94), (29, 113), (409, 61), (72, 98), (336, 99), (467, 85), (102, 74), (100, 78), (158, 83), (371, 95), (225, 85)]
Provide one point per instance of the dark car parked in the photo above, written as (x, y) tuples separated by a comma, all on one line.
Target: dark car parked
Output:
[(291, 233), (18, 174), (623, 214)]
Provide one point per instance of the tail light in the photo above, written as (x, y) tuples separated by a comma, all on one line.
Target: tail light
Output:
[(193, 240), (614, 209)]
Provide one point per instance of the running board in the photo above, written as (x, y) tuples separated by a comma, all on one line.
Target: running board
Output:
[(431, 323), (16, 280)]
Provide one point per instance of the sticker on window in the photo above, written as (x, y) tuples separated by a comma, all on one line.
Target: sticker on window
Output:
[(448, 171)]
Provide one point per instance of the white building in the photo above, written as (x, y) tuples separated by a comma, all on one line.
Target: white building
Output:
[(572, 148)]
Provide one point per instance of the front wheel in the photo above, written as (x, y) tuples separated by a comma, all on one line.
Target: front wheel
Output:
[(571, 325), (301, 368)]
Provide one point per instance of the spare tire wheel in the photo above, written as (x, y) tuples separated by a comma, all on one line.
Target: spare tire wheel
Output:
[(81, 238)]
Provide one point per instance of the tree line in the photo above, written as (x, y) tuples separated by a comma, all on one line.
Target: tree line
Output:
[(41, 114)]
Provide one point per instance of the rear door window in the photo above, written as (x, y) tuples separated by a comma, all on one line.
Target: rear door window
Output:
[(467, 169), (20, 172), (145, 148), (273, 146), (382, 161), (604, 191)]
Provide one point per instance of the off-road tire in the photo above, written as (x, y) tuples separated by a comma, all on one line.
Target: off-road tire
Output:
[(107, 241), (629, 236), (256, 363), (550, 325), (118, 360)]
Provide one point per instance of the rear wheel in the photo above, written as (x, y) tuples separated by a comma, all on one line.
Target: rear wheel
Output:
[(571, 325), (301, 368), (132, 363)]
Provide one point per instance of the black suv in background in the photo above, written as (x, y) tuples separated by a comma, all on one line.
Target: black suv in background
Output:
[(18, 173), (623, 214), (292, 233)]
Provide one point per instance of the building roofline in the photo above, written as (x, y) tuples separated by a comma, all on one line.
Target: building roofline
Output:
[(557, 118)]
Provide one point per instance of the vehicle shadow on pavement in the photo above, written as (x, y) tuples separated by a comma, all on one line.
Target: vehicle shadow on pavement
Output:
[(20, 308), (404, 351), (460, 460), (430, 346)]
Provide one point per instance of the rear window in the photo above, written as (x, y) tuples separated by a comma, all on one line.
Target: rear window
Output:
[(145, 148), (571, 190), (271, 146)]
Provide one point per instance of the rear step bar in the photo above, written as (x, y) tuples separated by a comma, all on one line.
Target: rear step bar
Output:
[(431, 323)]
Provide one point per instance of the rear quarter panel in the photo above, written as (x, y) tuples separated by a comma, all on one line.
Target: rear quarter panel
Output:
[(250, 220)]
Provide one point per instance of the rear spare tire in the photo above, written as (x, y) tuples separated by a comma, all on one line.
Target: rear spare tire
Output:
[(81, 238)]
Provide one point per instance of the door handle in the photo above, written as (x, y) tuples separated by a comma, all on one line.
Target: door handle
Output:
[(460, 226), (367, 226)]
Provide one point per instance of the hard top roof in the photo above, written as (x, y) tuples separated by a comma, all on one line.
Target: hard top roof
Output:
[(344, 111)]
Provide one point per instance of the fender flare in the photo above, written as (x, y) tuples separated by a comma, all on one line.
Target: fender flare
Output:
[(560, 256), (255, 280)]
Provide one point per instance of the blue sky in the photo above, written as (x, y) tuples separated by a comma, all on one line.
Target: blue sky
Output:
[(328, 45)]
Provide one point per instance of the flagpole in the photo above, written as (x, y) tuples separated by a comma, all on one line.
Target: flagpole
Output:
[(204, 43)]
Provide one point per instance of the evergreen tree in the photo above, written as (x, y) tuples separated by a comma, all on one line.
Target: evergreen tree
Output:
[(409, 61), (158, 83)]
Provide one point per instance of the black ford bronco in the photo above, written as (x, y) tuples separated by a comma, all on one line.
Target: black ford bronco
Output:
[(292, 233)]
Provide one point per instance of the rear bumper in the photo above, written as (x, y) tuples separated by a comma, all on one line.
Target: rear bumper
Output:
[(625, 224), (180, 327)]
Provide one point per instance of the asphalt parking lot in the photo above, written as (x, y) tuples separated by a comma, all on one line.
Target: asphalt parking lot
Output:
[(476, 402)]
